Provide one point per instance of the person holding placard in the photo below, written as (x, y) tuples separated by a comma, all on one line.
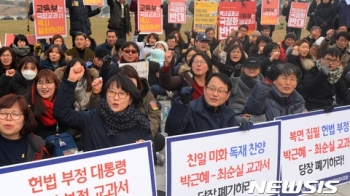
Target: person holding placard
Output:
[(119, 19), (209, 112), (324, 81), (276, 95), (285, 12), (18, 144)]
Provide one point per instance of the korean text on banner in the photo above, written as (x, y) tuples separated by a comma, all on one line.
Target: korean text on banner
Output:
[(316, 146), (247, 14), (9, 37), (177, 11), (93, 2), (150, 16), (112, 171), (270, 12), (222, 161), (298, 15), (50, 18), (228, 19), (142, 68), (205, 15)]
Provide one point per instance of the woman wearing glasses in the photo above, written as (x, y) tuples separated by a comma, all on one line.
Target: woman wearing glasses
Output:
[(41, 98), (19, 82), (206, 113), (117, 119), (7, 59), (235, 56), (18, 144), (201, 68)]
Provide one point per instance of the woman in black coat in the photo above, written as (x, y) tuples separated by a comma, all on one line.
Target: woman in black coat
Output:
[(19, 82), (325, 16), (235, 57)]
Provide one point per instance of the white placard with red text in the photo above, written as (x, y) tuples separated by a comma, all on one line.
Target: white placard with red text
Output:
[(222, 162), (298, 15), (122, 171), (316, 146)]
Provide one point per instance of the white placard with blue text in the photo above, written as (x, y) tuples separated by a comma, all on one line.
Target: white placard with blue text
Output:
[(316, 146), (122, 171), (222, 162), (142, 68)]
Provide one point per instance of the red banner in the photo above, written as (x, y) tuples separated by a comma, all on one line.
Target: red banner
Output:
[(10, 37), (269, 12), (50, 18), (247, 14), (228, 19), (177, 11), (298, 15), (150, 16)]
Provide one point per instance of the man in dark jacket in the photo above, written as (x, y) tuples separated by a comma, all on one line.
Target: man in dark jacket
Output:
[(324, 81), (209, 112), (258, 21), (119, 19), (111, 39), (343, 9), (79, 17), (285, 12)]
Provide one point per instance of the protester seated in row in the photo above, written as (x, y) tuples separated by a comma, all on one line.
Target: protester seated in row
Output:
[(209, 112), (341, 43), (236, 57), (252, 41), (111, 39), (276, 95), (243, 85), (145, 47), (19, 81), (90, 43), (21, 47), (117, 119), (300, 56), (258, 49), (270, 56), (83, 89), (7, 59), (324, 81), (54, 58), (220, 49), (116, 50), (56, 40), (80, 50), (288, 41), (201, 68), (18, 144)]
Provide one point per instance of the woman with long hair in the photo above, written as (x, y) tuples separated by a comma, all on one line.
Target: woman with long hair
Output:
[(8, 59), (53, 58)]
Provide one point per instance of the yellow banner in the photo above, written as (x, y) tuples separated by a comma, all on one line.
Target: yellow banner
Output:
[(205, 15)]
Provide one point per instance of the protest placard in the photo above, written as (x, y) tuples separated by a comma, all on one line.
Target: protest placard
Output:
[(316, 146), (50, 18), (177, 11), (298, 15), (150, 16), (9, 37), (142, 68), (125, 170), (205, 15), (222, 162), (93, 2), (228, 19), (269, 12)]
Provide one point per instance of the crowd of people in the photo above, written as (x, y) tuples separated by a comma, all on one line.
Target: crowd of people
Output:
[(212, 84)]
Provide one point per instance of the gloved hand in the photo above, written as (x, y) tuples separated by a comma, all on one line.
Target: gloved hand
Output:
[(237, 72), (328, 109), (325, 70), (271, 73), (186, 94), (347, 76), (246, 125), (106, 61)]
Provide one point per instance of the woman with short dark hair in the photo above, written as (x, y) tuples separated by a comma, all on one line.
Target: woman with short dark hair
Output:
[(22, 47), (18, 144), (7, 59)]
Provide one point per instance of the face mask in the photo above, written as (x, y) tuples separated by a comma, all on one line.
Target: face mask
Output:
[(29, 74)]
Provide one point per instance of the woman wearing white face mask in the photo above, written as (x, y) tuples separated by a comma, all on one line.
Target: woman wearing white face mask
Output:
[(18, 82)]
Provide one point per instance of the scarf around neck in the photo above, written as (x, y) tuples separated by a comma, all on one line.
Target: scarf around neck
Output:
[(21, 51), (121, 121), (334, 75), (47, 119)]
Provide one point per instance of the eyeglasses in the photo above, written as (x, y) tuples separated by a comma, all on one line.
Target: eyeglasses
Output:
[(212, 90), (199, 62), (288, 79), (121, 95), (6, 56), (13, 115), (132, 51), (49, 83), (328, 60)]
